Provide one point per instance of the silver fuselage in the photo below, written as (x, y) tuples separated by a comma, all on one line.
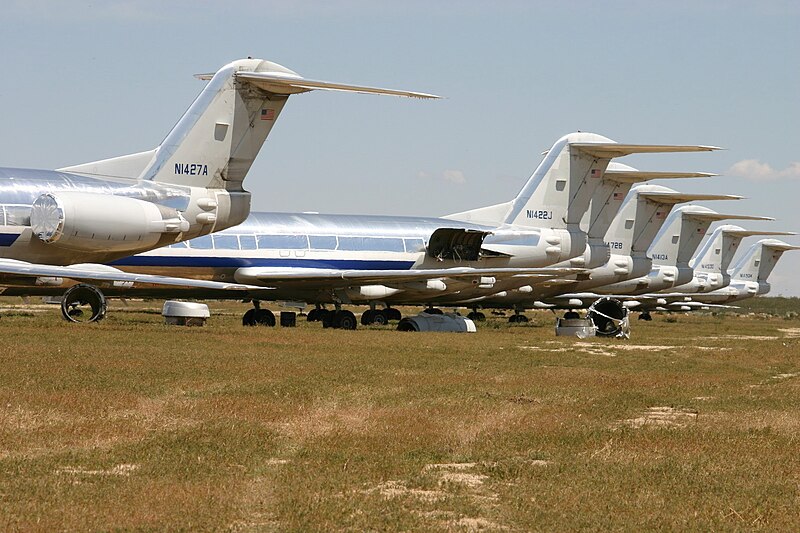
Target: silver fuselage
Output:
[(19, 188)]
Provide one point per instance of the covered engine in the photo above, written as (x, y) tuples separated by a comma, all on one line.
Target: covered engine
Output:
[(610, 318), (84, 221), (434, 322)]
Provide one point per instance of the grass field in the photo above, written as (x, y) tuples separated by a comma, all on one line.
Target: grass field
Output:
[(692, 424)]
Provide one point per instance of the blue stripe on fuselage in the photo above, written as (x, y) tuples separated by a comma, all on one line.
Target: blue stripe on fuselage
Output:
[(7, 239), (239, 262)]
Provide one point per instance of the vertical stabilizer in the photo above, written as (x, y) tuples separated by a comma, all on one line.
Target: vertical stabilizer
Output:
[(759, 261), (217, 139)]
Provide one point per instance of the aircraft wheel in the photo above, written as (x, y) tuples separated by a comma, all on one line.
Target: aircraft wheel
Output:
[(326, 317), (393, 314), (434, 311), (476, 316), (517, 319), (571, 314), (264, 317), (83, 303), (368, 317), (315, 315), (343, 319), (380, 318), (645, 316), (249, 318)]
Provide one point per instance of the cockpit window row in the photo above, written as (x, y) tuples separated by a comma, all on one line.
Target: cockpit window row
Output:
[(304, 242)]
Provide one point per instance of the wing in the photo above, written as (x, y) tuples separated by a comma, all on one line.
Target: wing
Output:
[(334, 278), (104, 274)]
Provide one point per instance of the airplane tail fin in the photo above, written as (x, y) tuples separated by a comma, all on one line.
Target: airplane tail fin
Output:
[(685, 227), (760, 259), (609, 202), (643, 213), (216, 141), (715, 256), (559, 192)]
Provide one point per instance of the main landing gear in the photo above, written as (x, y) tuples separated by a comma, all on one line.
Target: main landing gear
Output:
[(380, 317), (337, 319), (476, 315), (645, 315), (517, 318), (258, 317)]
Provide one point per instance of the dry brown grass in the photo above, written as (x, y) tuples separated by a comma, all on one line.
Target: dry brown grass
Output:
[(133, 425)]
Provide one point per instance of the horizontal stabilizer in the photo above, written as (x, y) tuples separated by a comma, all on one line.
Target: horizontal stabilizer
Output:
[(782, 246), (680, 197), (637, 176), (723, 216), (611, 150), (752, 233), (285, 83)]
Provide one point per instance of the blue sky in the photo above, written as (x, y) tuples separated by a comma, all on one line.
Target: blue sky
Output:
[(89, 80)]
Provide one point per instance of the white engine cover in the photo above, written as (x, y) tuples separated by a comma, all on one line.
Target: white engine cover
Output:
[(87, 221)]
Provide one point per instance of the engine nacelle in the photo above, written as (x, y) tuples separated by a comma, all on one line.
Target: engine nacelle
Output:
[(610, 317), (432, 322), (87, 221)]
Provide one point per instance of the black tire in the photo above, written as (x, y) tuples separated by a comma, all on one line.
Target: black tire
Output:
[(368, 317), (380, 318), (264, 317), (645, 316), (326, 317), (315, 315), (571, 314), (393, 314), (517, 319), (344, 319), (249, 318), (434, 311)]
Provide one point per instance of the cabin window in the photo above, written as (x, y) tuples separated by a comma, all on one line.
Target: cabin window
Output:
[(226, 242), (247, 242), (283, 242), (414, 245), (202, 243), (375, 244), (322, 242), (18, 215)]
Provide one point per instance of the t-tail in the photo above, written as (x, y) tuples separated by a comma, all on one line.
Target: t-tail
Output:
[(643, 213), (217, 139), (759, 261), (606, 211), (715, 256), (559, 193)]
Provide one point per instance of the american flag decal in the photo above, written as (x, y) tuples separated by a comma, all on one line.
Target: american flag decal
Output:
[(618, 196), (267, 114), (661, 214), (596, 172)]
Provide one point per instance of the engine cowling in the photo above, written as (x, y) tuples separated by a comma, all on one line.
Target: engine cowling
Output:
[(86, 221), (610, 317), (435, 322)]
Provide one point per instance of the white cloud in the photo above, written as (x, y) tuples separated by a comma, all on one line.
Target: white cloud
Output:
[(454, 176), (755, 170)]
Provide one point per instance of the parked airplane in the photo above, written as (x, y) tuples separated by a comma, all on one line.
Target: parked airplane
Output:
[(349, 259), (190, 185), (748, 278), (642, 215)]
